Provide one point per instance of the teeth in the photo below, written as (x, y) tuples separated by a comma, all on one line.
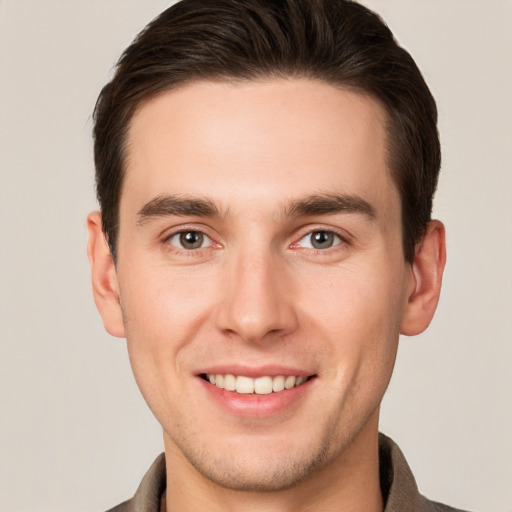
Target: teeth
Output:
[(263, 385), (289, 382), (259, 386), (230, 382), (278, 384), (244, 385)]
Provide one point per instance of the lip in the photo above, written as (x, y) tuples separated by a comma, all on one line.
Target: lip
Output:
[(255, 372), (253, 405)]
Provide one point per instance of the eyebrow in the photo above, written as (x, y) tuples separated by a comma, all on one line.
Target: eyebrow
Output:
[(164, 206), (321, 204), (328, 204)]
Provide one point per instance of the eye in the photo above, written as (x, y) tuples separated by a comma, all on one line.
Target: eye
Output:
[(189, 240), (320, 240)]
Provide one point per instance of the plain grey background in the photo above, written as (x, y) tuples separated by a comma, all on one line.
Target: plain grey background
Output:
[(74, 432)]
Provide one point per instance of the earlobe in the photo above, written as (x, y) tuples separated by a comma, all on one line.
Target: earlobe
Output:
[(104, 277), (426, 277)]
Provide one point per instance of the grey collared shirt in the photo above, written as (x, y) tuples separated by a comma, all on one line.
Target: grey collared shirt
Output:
[(397, 483)]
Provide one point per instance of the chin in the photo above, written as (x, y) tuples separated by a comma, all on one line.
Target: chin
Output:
[(264, 465), (268, 474)]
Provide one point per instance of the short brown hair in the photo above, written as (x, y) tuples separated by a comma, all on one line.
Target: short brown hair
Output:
[(339, 42)]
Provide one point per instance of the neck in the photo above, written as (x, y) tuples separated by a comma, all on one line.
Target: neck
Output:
[(349, 482)]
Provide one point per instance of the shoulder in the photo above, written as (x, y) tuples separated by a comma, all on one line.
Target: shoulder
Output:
[(150, 491), (122, 507), (398, 483), (434, 506)]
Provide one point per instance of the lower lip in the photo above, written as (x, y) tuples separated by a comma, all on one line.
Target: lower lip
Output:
[(257, 406)]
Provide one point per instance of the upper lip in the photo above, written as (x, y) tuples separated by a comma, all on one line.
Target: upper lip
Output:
[(254, 372)]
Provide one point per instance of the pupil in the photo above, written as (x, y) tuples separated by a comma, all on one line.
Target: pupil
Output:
[(191, 239), (322, 240)]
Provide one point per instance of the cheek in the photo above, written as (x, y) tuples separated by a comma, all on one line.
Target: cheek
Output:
[(163, 310), (163, 313), (165, 301), (357, 311), (354, 295), (355, 321)]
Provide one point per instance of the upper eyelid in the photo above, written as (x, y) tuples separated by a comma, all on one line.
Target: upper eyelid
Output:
[(343, 234), (171, 231), (321, 230), (342, 241), (181, 231)]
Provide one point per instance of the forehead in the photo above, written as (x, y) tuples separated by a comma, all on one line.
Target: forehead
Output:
[(257, 142)]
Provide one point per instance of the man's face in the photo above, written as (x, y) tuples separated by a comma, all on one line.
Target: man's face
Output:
[(260, 240)]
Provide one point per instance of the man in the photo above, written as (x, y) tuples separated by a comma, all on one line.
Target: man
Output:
[(265, 171)]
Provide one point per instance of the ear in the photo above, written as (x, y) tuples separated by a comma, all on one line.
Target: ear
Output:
[(104, 278), (426, 276)]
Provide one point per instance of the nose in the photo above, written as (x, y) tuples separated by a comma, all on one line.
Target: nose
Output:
[(257, 303)]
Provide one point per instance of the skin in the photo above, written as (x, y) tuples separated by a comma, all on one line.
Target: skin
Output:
[(257, 294)]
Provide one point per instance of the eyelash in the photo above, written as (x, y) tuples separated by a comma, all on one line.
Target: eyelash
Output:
[(181, 251), (341, 241)]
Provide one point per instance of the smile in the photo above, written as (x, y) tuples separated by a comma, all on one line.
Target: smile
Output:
[(258, 386)]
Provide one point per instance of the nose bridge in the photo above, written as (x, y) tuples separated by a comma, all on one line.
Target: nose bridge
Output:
[(256, 304)]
